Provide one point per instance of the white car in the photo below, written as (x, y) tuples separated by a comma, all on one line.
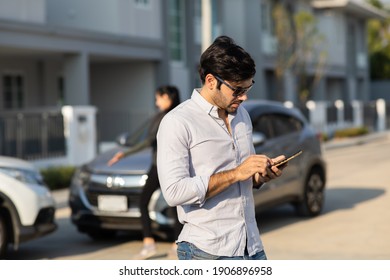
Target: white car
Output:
[(27, 207)]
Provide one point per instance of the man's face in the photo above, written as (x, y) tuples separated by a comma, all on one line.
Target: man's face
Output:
[(231, 95)]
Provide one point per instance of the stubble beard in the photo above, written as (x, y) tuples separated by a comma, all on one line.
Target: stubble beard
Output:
[(226, 105)]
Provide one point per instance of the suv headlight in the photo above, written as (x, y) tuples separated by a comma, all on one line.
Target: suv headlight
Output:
[(25, 176), (81, 178)]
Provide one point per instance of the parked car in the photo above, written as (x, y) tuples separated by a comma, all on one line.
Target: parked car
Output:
[(105, 199), (27, 207)]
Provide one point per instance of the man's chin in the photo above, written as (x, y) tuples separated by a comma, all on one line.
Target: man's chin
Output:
[(233, 108)]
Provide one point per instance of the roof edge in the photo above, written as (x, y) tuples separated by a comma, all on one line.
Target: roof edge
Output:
[(360, 8)]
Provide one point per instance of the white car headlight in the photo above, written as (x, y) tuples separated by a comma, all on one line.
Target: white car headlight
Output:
[(26, 176)]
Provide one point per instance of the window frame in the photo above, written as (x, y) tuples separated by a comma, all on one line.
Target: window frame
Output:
[(16, 91), (177, 45)]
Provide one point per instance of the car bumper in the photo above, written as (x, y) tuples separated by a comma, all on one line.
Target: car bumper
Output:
[(89, 216), (86, 219), (43, 225)]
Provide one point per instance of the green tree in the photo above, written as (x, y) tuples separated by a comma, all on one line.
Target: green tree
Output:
[(284, 31), (299, 48), (379, 44), (308, 52)]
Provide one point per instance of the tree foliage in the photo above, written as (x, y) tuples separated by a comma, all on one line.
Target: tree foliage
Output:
[(299, 49), (308, 52), (379, 44)]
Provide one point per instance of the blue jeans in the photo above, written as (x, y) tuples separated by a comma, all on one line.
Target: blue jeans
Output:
[(188, 251)]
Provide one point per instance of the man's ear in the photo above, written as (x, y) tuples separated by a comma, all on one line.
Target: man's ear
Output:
[(210, 82)]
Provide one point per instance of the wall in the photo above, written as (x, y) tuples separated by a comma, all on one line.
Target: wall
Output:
[(180, 78), (380, 89), (31, 70), (23, 10), (80, 137), (123, 86), (124, 95), (114, 16), (332, 25), (52, 70)]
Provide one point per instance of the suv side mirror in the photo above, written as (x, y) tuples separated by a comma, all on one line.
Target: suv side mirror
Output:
[(123, 139), (258, 138)]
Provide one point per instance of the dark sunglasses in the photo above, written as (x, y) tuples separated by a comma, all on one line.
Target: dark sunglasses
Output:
[(237, 92)]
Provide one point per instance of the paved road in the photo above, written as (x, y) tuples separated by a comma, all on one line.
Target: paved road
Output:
[(355, 223), (356, 220)]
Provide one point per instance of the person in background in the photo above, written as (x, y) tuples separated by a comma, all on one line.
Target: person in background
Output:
[(207, 164), (167, 97)]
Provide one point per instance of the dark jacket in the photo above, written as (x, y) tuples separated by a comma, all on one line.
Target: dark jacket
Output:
[(150, 140)]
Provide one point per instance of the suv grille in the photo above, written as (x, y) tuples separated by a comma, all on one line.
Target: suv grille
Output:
[(98, 187)]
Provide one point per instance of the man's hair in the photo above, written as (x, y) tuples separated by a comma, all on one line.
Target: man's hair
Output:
[(227, 60), (173, 94)]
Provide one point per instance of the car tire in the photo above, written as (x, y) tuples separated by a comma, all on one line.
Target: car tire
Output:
[(3, 236), (313, 197)]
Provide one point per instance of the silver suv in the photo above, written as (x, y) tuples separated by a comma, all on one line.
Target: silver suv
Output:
[(105, 199), (26, 205)]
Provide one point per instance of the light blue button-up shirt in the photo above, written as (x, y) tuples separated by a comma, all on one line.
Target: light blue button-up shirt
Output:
[(194, 143)]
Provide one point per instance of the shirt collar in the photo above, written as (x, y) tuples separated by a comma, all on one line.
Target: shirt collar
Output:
[(205, 105)]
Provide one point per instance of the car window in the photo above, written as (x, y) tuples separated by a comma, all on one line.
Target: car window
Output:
[(275, 125), (285, 124), (263, 124)]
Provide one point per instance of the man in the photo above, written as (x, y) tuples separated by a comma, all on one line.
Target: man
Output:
[(206, 160)]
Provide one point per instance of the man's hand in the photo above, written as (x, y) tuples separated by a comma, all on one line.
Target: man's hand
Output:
[(255, 166), (273, 170), (258, 164)]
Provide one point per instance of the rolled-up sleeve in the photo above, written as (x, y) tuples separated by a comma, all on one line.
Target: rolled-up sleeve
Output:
[(173, 165)]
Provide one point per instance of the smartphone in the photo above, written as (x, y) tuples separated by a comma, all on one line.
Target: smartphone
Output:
[(284, 161)]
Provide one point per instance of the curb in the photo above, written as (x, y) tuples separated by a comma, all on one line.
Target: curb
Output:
[(359, 140)]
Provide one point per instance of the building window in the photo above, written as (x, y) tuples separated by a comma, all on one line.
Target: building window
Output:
[(176, 29), (61, 91), (13, 91), (142, 3), (267, 18)]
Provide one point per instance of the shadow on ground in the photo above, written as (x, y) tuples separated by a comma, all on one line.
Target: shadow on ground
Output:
[(67, 241), (336, 198)]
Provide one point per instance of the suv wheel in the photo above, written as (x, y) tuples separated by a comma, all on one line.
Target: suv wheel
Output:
[(3, 236), (313, 198)]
